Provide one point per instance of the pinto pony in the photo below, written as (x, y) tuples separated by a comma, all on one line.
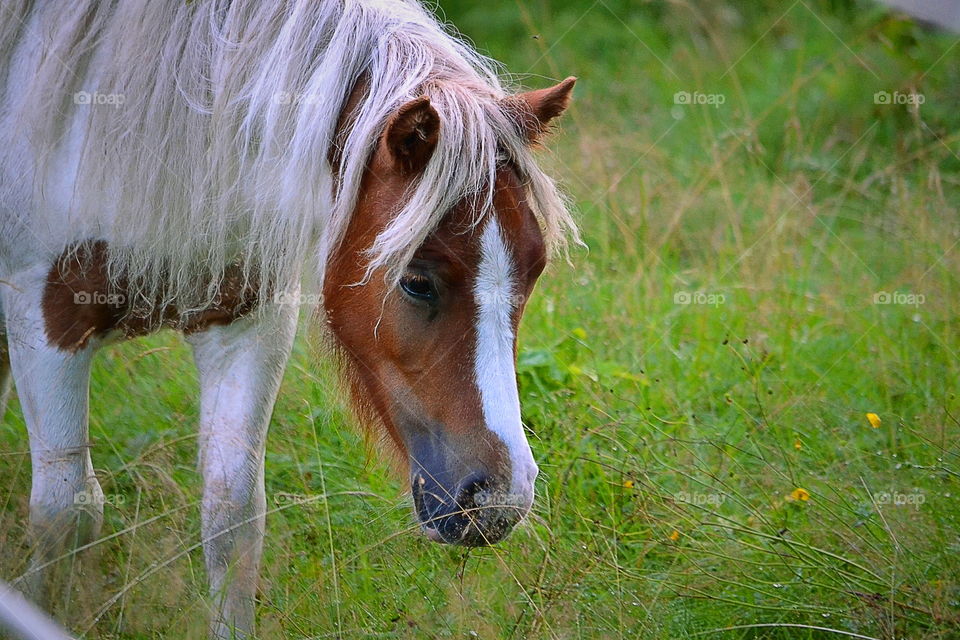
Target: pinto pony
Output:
[(197, 165)]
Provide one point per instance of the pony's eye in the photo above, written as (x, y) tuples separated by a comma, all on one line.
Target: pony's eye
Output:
[(418, 287)]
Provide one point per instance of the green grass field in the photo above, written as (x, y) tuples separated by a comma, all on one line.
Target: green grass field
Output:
[(769, 261)]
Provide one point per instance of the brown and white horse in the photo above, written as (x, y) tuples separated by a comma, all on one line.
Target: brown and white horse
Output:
[(190, 165)]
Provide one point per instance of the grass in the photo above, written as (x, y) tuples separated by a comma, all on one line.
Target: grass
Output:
[(714, 352)]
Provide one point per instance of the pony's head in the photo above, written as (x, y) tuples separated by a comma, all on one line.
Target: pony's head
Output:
[(431, 349)]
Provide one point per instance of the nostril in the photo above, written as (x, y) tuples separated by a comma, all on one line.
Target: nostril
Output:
[(474, 492)]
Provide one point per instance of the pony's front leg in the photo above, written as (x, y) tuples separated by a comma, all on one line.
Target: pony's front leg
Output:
[(240, 368), (66, 503)]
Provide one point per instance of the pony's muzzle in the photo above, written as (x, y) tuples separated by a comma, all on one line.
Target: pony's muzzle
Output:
[(474, 512)]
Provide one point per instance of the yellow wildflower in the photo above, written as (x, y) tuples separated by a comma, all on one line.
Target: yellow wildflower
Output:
[(798, 494), (674, 536), (797, 444), (628, 484), (874, 420)]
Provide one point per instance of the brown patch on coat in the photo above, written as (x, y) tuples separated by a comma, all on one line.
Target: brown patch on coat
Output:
[(80, 302)]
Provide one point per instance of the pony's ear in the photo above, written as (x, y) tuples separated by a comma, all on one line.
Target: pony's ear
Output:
[(534, 110), (412, 135)]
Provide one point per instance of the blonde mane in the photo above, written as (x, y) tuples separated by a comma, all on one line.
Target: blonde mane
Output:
[(205, 128)]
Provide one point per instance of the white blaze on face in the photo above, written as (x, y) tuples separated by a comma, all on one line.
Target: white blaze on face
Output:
[(495, 292)]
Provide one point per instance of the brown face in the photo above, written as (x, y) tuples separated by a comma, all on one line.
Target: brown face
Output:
[(433, 357)]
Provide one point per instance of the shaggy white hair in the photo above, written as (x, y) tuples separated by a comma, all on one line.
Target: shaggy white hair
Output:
[(217, 149)]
